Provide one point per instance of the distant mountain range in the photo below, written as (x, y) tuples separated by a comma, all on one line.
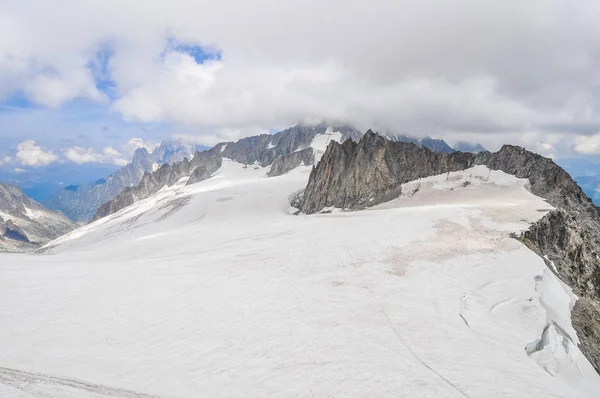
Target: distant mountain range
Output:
[(80, 202), (436, 145), (283, 151), (25, 224)]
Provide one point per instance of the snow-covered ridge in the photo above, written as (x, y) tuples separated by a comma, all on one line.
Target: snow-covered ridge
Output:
[(320, 142)]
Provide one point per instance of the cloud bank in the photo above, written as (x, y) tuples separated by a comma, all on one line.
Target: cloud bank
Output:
[(498, 71)]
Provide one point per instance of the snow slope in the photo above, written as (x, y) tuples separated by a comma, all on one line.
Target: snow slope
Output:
[(321, 141), (217, 290)]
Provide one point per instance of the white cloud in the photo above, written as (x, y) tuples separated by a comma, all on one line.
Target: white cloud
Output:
[(129, 148), (19, 171), (213, 136), (429, 67), (82, 155), (53, 90), (108, 154), (110, 151), (30, 154), (588, 145)]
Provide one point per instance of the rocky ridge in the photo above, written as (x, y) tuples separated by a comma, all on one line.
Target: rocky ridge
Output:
[(288, 162), (355, 175)]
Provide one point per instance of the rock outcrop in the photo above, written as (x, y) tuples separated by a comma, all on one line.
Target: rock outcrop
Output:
[(208, 164), (586, 322), (354, 175), (288, 162)]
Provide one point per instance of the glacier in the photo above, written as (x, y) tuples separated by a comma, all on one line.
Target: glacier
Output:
[(219, 289)]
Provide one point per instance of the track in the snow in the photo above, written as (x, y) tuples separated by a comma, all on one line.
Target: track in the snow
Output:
[(39, 384)]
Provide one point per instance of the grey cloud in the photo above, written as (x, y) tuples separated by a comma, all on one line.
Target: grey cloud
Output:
[(495, 69)]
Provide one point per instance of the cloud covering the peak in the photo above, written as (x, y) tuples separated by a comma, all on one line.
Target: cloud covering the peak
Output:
[(528, 72)]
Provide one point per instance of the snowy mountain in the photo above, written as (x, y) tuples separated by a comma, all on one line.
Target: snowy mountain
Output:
[(80, 202), (25, 224), (285, 150), (466, 275), (301, 144)]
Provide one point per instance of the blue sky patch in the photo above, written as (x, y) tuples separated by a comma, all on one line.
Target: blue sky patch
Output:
[(199, 53)]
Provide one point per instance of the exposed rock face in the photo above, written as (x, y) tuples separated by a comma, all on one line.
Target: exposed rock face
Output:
[(547, 179), (201, 167), (25, 224), (586, 321), (288, 162), (208, 164), (569, 237), (571, 240), (14, 232), (80, 202), (354, 175)]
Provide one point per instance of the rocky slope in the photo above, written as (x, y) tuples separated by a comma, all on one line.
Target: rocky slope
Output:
[(355, 175), (80, 202), (25, 224), (288, 162)]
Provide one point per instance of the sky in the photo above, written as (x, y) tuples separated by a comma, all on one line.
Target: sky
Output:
[(86, 82)]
